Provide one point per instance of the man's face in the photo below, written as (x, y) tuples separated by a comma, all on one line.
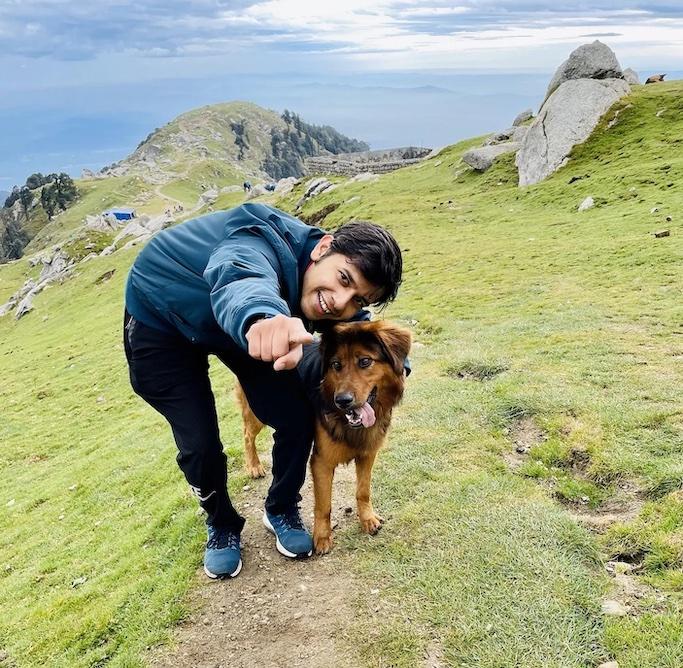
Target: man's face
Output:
[(333, 287)]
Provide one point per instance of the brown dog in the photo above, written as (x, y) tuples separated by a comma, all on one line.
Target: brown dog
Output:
[(363, 379)]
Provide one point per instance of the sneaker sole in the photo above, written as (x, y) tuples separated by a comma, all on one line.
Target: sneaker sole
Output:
[(235, 573), (278, 544)]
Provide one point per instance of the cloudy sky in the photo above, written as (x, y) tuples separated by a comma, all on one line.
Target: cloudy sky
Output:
[(83, 81)]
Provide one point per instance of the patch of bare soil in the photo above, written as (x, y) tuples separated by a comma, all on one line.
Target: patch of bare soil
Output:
[(629, 595), (623, 506), (277, 612), (524, 433)]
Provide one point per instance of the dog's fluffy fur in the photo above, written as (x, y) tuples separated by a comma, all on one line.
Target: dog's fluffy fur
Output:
[(361, 362)]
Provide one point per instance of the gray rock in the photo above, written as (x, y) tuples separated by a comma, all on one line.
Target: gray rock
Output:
[(286, 185), (567, 118), (631, 76), (316, 186), (54, 267), (209, 196), (522, 117), (142, 226), (364, 176), (520, 133), (231, 189), (257, 191), (482, 158), (7, 306), (589, 61), (588, 203), (103, 223), (500, 137)]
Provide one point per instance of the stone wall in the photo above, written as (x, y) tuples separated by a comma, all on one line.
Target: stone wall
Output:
[(378, 162)]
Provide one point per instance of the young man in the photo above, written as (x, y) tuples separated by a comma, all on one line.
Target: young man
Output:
[(246, 285)]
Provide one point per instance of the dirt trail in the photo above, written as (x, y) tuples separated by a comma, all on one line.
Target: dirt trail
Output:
[(277, 612)]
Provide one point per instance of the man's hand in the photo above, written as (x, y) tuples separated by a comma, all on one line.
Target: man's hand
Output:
[(279, 339)]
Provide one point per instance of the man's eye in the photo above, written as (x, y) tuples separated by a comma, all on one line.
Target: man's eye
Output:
[(336, 365), (364, 362), (343, 278)]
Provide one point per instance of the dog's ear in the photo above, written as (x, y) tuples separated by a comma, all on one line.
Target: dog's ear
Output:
[(395, 342), (328, 341)]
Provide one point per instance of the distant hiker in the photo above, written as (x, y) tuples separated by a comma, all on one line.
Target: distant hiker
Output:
[(247, 186), (655, 78), (247, 285), (270, 187)]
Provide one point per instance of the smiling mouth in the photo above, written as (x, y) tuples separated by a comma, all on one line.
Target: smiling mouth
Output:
[(323, 304), (363, 416)]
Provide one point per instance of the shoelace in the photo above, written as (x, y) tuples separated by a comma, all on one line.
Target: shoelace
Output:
[(222, 538), (291, 520)]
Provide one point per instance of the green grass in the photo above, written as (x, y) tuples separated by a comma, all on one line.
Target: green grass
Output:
[(528, 313)]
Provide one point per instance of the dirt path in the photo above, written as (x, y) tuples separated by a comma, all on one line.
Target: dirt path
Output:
[(277, 612)]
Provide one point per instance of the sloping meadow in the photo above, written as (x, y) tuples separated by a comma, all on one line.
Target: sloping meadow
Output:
[(539, 443)]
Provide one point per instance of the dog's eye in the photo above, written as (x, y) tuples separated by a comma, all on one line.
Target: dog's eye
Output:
[(336, 365), (364, 362)]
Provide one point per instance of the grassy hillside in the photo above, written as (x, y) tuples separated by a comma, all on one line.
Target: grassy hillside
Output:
[(538, 328)]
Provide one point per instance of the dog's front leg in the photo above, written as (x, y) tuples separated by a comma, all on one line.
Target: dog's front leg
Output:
[(323, 474), (369, 522)]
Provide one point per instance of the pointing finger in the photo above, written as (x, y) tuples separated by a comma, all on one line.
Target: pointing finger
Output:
[(290, 360)]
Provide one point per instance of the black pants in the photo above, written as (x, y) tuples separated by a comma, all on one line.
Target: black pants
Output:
[(171, 375)]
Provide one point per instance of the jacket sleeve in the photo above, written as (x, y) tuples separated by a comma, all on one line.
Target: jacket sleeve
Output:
[(244, 277)]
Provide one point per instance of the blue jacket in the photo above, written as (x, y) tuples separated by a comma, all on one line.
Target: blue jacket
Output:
[(208, 277)]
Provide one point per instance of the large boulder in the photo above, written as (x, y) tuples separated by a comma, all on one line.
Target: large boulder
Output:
[(482, 158), (286, 185), (590, 61), (631, 76), (523, 117), (567, 118)]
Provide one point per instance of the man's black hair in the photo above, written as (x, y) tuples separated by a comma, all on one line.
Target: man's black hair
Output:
[(374, 251)]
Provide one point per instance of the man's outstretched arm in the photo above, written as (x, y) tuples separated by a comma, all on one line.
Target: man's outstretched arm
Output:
[(278, 339)]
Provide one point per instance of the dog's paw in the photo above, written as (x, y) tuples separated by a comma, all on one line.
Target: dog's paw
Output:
[(255, 470), (322, 544), (371, 524)]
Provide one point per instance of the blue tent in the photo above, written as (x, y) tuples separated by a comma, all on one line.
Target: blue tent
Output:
[(123, 213)]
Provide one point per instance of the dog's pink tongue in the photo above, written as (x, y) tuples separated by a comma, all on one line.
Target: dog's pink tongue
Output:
[(367, 415)]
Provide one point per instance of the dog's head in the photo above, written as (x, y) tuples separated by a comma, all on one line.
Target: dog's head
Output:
[(363, 373)]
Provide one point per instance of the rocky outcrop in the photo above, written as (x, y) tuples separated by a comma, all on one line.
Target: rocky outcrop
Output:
[(378, 162), (286, 185), (315, 187), (567, 118), (208, 197), (589, 61), (523, 117), (631, 76), (102, 222), (482, 158), (141, 228), (56, 267)]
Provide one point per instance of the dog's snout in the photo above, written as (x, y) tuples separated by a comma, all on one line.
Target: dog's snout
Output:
[(343, 399)]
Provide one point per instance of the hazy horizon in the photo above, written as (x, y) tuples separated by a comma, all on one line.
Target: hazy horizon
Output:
[(84, 83)]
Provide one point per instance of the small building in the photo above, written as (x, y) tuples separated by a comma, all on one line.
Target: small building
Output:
[(120, 213)]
